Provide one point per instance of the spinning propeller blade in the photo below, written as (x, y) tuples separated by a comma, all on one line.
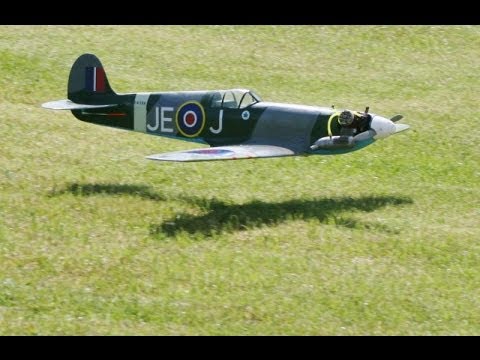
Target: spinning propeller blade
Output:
[(396, 118)]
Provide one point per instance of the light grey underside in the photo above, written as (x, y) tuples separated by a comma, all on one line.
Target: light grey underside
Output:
[(224, 153), (287, 126)]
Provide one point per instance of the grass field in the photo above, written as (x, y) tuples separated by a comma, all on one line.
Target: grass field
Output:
[(95, 239)]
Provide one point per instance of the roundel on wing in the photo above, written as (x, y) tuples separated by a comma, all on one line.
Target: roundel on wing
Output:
[(190, 119)]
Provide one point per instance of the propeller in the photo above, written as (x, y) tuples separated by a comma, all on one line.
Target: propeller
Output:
[(396, 118), (369, 134), (401, 127)]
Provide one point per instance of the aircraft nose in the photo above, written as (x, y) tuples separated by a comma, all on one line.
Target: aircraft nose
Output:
[(383, 127)]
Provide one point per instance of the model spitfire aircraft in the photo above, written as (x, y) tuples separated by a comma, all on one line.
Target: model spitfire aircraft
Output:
[(236, 123)]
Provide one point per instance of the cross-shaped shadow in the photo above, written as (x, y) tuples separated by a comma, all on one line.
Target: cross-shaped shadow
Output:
[(219, 216)]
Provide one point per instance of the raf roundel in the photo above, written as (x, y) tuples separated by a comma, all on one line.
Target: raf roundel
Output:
[(190, 119)]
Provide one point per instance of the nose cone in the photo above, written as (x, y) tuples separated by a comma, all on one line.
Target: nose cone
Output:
[(382, 126)]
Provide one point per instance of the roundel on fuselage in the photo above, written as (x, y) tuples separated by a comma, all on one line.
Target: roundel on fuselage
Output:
[(190, 119)]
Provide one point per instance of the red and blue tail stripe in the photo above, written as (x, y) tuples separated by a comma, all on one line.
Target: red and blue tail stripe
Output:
[(95, 79)]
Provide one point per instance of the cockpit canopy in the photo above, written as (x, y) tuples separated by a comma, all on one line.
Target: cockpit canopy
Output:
[(234, 99)]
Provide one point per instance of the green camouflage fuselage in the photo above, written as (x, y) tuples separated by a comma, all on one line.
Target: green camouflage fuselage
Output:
[(236, 123), (202, 116)]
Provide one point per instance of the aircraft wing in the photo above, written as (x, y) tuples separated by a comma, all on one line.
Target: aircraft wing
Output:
[(225, 153)]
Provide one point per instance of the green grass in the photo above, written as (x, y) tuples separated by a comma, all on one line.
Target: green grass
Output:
[(95, 239)]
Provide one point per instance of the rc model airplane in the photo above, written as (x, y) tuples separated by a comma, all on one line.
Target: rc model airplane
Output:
[(236, 123)]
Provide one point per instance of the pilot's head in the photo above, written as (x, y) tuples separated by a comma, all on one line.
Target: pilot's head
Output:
[(345, 118)]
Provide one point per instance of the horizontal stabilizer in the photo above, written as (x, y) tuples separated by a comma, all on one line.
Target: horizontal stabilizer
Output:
[(401, 127), (70, 105), (224, 153)]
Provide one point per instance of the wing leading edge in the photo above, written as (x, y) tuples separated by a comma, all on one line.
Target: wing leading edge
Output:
[(225, 153)]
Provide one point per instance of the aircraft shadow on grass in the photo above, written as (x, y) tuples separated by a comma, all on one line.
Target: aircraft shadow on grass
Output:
[(142, 191), (218, 216)]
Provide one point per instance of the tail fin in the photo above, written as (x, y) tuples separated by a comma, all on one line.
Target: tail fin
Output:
[(88, 83), (91, 99)]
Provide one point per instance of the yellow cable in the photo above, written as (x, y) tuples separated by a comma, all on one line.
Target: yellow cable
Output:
[(330, 122)]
